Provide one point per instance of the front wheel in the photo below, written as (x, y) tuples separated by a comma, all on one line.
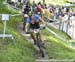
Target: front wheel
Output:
[(42, 51)]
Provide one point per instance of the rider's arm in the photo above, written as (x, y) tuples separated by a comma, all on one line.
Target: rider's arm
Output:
[(26, 27), (27, 23), (42, 20)]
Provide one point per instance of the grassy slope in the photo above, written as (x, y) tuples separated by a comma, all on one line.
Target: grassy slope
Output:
[(4, 9), (24, 51), (57, 49), (56, 2), (60, 33)]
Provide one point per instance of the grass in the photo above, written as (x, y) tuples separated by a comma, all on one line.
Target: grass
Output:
[(57, 48), (61, 33), (4, 9), (54, 2), (24, 50)]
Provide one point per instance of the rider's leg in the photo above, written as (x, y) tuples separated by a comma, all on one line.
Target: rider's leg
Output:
[(42, 40), (24, 23), (41, 37), (33, 36), (23, 26)]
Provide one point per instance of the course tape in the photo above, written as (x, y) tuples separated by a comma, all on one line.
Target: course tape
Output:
[(12, 14), (57, 35)]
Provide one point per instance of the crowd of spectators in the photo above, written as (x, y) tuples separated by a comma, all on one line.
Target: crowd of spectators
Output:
[(63, 14)]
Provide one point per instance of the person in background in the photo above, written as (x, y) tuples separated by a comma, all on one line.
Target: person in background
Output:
[(34, 5), (26, 11)]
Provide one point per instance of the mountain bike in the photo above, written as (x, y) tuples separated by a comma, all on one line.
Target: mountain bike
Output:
[(40, 44)]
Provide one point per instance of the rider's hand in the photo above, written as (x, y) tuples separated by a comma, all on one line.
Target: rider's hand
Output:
[(42, 26)]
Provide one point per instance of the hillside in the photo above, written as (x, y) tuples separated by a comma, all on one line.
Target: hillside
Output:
[(24, 50)]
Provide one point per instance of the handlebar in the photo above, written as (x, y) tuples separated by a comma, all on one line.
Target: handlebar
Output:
[(42, 27), (37, 30)]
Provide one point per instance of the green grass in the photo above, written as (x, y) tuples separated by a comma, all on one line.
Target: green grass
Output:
[(57, 48), (24, 50), (54, 2), (61, 33), (5, 10)]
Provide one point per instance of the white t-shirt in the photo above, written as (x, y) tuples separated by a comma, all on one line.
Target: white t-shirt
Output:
[(64, 9), (56, 10), (66, 17), (72, 20)]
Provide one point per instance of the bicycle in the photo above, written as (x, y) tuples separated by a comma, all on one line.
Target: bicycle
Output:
[(40, 43)]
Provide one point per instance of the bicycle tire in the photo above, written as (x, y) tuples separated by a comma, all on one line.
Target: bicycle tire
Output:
[(39, 45), (42, 50)]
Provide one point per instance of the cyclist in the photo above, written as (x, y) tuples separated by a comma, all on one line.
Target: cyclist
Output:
[(26, 10), (33, 20)]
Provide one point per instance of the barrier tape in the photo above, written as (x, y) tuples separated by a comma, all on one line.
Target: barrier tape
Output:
[(65, 40), (12, 14)]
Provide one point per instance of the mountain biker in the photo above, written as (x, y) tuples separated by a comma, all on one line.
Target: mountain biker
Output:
[(26, 10), (33, 20)]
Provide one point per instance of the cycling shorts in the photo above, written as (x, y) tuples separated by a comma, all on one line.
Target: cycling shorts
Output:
[(34, 26)]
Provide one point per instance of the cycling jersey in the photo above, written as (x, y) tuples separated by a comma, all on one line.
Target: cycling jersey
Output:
[(36, 22), (36, 18)]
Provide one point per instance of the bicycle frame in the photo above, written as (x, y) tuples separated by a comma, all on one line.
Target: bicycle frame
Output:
[(39, 43), (38, 39)]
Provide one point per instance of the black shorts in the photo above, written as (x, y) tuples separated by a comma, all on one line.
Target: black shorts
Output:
[(35, 25)]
